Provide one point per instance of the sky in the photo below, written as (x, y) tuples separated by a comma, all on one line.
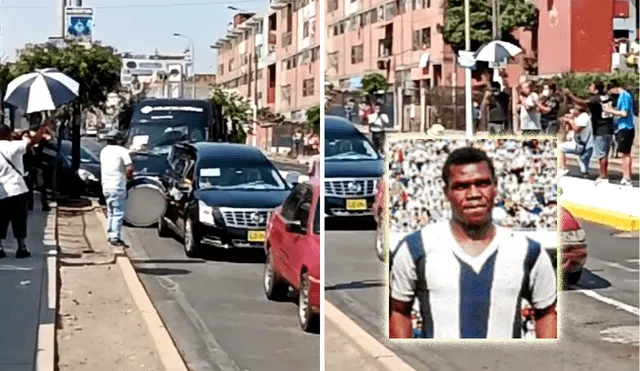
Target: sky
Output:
[(137, 26)]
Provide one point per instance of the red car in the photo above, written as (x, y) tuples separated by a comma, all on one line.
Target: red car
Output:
[(292, 247)]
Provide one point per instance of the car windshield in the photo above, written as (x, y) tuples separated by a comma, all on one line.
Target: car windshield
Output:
[(351, 147), (252, 177), (316, 218), (149, 135), (86, 156)]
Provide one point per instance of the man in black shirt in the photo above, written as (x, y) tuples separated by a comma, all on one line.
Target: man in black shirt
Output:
[(602, 124), (548, 107), (496, 103)]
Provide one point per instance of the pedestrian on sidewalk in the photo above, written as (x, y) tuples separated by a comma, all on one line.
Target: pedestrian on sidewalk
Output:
[(528, 108), (601, 121), (13, 189), (624, 127), (115, 168), (378, 120), (548, 106), (581, 145)]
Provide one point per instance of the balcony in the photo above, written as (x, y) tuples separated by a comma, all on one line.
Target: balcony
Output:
[(621, 8), (385, 48), (287, 39), (271, 95)]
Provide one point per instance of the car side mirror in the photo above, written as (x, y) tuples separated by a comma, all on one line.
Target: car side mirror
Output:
[(295, 226)]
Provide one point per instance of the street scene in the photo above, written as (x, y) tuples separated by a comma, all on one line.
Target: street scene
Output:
[(160, 199)]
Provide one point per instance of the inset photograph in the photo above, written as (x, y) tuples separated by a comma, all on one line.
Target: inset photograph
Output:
[(472, 237)]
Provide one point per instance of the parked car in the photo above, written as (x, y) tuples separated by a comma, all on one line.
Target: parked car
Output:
[(352, 170), (220, 195), (84, 181), (292, 248)]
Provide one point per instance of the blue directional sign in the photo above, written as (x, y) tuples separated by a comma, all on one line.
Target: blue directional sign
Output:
[(79, 24)]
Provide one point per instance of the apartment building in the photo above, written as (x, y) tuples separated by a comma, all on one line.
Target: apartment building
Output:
[(272, 58)]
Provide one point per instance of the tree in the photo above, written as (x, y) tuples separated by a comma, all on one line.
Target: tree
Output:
[(373, 83), (95, 68), (313, 118), (234, 107), (513, 14)]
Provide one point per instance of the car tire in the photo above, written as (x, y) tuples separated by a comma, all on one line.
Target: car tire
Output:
[(162, 228), (191, 244), (309, 321), (572, 278), (275, 288)]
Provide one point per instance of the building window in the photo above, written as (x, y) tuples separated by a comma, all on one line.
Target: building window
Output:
[(305, 29), (307, 87), (221, 69), (357, 54), (422, 39), (332, 6), (232, 64)]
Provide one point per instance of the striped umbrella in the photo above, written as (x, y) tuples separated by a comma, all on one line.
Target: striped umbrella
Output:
[(497, 51), (43, 90)]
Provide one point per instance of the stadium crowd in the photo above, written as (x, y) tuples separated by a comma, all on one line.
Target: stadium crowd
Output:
[(526, 172)]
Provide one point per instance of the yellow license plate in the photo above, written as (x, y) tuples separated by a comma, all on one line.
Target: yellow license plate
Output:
[(256, 236), (356, 205)]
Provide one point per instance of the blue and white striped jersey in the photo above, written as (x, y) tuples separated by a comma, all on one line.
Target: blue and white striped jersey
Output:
[(463, 296)]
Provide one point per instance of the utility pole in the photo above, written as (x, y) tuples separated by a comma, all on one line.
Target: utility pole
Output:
[(495, 14), (467, 73)]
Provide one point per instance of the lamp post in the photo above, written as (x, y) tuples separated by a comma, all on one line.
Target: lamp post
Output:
[(193, 63), (467, 74)]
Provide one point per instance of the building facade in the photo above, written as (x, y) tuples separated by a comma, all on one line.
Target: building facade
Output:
[(272, 58)]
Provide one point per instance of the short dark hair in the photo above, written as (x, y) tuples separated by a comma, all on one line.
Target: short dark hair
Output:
[(5, 131), (552, 85), (598, 85), (464, 156), (614, 83)]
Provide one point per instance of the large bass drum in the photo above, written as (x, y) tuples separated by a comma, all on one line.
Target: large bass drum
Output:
[(146, 201)]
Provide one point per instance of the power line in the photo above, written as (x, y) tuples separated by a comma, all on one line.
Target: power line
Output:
[(130, 6)]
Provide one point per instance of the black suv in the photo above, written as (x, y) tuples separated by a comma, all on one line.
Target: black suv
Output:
[(352, 170), (220, 195)]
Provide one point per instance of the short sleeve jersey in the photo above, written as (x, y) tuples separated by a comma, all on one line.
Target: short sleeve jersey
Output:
[(462, 296)]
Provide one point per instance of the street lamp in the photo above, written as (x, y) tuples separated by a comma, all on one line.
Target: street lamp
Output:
[(193, 63), (467, 74)]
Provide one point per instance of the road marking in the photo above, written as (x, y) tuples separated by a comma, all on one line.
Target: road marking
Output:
[(10, 267), (386, 358), (620, 266), (633, 261), (621, 335), (617, 304)]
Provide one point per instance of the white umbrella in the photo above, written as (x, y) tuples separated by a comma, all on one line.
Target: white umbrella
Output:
[(497, 51), (43, 90)]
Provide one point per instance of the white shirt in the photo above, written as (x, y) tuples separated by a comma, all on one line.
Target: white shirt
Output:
[(378, 121), (12, 183), (529, 116), (113, 160), (585, 136), (472, 296)]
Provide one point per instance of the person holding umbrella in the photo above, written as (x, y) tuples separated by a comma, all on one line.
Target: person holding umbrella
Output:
[(13, 189)]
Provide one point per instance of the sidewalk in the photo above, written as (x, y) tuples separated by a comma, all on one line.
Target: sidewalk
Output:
[(26, 309), (341, 354)]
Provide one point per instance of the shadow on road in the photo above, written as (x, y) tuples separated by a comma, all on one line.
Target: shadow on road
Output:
[(355, 285), (168, 261), (242, 256), (162, 271), (350, 224), (590, 281)]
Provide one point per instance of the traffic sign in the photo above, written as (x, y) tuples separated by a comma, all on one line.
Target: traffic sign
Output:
[(79, 24)]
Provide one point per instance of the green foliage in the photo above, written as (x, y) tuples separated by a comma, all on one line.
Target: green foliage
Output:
[(234, 107), (313, 118), (373, 83), (96, 69), (513, 14), (579, 83)]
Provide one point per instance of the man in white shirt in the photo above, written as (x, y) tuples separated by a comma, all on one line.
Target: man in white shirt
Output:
[(377, 122), (116, 168), (581, 145), (529, 115), (13, 189)]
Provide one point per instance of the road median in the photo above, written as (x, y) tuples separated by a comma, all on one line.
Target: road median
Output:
[(100, 326)]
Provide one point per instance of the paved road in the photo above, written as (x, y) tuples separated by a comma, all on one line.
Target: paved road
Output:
[(216, 310), (354, 283)]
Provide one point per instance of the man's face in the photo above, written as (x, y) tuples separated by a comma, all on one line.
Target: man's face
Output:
[(526, 88), (592, 89), (471, 192)]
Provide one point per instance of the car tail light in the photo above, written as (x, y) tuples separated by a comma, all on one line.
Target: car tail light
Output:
[(573, 238)]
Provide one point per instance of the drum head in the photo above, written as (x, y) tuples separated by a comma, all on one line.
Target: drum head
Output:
[(145, 205)]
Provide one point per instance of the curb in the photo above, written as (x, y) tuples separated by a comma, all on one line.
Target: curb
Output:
[(46, 346), (383, 356), (619, 221), (167, 350)]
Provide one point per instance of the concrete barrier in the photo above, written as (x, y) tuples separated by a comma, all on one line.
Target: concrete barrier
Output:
[(608, 204)]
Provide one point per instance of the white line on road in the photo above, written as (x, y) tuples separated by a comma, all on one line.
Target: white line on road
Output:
[(617, 304), (10, 267), (620, 266)]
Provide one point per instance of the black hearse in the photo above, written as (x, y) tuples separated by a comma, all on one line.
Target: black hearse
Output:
[(220, 195), (352, 169)]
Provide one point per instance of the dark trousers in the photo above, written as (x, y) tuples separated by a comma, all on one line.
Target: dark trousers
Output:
[(377, 137), (14, 212), (31, 181)]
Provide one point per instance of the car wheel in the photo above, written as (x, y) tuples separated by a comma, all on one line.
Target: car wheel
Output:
[(309, 321), (191, 246), (274, 287), (163, 230), (572, 278)]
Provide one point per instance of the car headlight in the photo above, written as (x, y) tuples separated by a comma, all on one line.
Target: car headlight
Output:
[(86, 176), (205, 214)]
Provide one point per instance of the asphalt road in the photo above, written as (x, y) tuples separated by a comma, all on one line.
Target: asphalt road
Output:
[(354, 283), (216, 310)]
